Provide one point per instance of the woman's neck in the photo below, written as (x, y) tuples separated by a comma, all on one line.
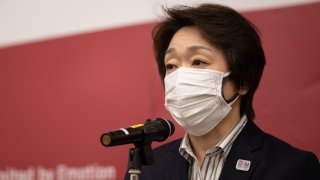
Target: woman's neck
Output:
[(201, 144)]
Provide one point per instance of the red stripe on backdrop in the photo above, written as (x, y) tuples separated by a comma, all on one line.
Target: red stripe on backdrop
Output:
[(58, 96)]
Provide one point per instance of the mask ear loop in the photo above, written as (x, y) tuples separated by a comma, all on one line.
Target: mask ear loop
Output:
[(234, 97)]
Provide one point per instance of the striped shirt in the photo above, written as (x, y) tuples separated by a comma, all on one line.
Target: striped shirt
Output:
[(214, 158)]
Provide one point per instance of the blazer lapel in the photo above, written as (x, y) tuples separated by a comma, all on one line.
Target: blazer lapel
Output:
[(178, 170), (244, 155), (178, 167)]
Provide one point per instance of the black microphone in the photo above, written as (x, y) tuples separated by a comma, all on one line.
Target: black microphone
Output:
[(152, 130)]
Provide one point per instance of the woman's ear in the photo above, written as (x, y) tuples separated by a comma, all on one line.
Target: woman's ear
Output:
[(243, 90)]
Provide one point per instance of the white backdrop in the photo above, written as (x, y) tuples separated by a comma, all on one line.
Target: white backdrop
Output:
[(24, 21)]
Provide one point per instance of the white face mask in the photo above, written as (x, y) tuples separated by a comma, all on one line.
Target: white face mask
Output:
[(194, 99)]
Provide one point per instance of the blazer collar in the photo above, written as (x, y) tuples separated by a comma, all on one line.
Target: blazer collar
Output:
[(244, 155)]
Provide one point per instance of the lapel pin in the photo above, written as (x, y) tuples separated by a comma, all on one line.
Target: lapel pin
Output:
[(243, 165)]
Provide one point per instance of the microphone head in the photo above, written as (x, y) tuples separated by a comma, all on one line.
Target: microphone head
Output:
[(161, 128), (168, 124)]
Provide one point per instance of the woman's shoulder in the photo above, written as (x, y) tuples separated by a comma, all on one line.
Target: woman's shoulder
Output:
[(281, 147)]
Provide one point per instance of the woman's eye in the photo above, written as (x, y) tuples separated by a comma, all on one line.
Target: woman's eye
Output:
[(169, 66), (198, 62)]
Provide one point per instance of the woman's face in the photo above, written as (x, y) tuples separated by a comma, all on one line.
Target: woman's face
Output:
[(188, 48)]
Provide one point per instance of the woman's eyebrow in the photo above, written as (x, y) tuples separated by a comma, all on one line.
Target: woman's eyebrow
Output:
[(191, 48), (169, 50)]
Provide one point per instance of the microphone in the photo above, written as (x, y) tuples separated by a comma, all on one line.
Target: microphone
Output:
[(152, 130)]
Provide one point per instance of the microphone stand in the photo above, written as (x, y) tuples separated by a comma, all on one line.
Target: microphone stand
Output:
[(141, 154)]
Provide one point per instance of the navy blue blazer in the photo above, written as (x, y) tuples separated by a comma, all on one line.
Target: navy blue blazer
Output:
[(271, 159)]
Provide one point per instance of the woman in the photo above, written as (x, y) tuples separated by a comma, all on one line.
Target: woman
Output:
[(211, 61)]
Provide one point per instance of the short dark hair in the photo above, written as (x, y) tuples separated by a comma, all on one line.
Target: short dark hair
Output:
[(225, 29)]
